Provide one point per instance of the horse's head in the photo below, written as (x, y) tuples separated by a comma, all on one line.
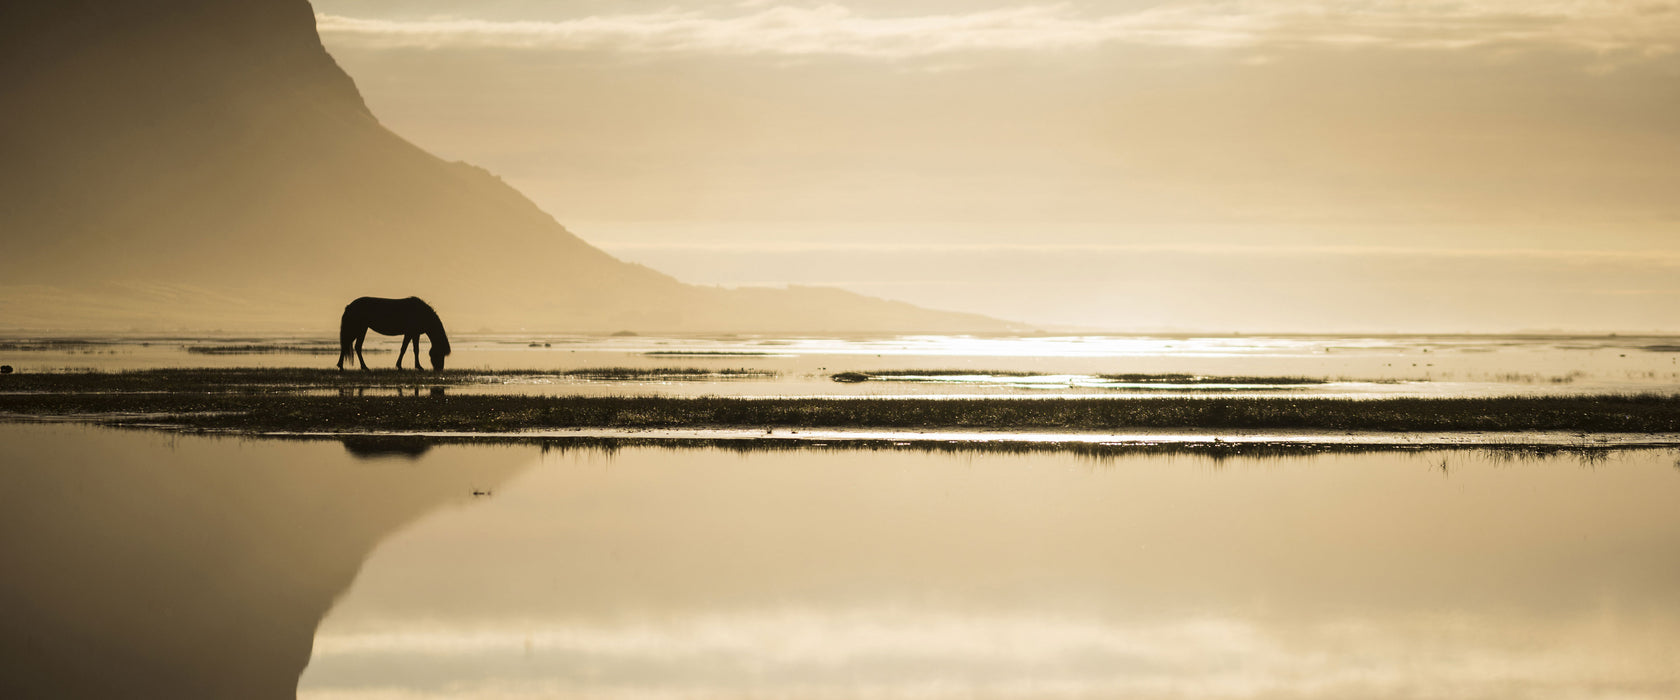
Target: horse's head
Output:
[(437, 357)]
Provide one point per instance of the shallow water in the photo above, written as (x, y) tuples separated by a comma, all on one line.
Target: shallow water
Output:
[(153, 564), (1364, 367)]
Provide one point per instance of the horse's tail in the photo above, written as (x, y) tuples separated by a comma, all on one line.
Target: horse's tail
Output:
[(346, 335)]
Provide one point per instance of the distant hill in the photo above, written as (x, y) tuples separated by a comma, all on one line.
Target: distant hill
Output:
[(205, 164)]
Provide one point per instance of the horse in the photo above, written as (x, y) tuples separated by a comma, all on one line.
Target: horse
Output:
[(408, 318)]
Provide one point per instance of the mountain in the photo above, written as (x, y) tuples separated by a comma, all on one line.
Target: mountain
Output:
[(204, 164)]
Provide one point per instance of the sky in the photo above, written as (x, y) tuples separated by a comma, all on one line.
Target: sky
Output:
[(1130, 165)]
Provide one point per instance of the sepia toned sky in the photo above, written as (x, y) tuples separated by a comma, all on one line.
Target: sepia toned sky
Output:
[(1286, 165)]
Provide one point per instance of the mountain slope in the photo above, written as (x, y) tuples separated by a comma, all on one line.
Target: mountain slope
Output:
[(200, 164)]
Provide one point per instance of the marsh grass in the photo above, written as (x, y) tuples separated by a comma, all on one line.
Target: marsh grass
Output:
[(269, 399), (708, 353), (254, 410), (49, 345)]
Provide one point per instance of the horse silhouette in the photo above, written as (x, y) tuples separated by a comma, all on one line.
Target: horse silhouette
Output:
[(408, 318)]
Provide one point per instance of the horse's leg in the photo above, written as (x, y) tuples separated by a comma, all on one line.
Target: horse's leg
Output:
[(402, 352), (359, 340), (417, 352)]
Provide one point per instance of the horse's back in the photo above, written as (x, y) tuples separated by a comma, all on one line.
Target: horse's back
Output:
[(386, 306), (390, 316)]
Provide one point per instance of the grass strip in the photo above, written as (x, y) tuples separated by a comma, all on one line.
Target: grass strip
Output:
[(499, 413), (258, 379)]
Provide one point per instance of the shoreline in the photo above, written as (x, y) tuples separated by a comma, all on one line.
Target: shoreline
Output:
[(1215, 439), (1207, 442)]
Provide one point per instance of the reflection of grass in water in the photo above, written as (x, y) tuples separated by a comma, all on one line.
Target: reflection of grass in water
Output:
[(1180, 379), (48, 345), (610, 373), (248, 407), (708, 353), (273, 349), (1203, 379), (73, 346), (1520, 378), (949, 373)]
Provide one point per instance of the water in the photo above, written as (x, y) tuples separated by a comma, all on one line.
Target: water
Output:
[(155, 564), (1349, 366)]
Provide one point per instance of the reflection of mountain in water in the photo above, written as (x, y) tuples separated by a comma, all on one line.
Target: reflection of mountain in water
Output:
[(138, 567)]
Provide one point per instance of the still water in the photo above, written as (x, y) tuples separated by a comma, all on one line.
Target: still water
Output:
[(146, 564), (1074, 365)]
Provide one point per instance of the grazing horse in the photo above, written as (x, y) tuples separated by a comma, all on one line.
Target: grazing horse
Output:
[(408, 318)]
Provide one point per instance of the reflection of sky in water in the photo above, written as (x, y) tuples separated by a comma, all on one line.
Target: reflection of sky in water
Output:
[(1024, 346), (702, 573), (897, 653)]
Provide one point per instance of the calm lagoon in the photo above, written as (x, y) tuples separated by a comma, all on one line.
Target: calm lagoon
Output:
[(1094, 366), (157, 564)]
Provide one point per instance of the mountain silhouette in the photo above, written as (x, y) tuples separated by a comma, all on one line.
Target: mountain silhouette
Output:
[(203, 164)]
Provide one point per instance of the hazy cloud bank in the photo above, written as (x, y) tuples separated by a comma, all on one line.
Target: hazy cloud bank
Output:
[(1236, 287), (1641, 257), (1635, 28)]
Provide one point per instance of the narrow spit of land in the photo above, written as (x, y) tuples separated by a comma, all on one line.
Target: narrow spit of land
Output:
[(267, 400), (289, 379)]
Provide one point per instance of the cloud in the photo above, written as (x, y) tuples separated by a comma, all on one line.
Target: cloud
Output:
[(1641, 28)]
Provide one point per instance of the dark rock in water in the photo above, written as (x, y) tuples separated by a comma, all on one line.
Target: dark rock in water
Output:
[(851, 377), (5, 369), (625, 334)]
